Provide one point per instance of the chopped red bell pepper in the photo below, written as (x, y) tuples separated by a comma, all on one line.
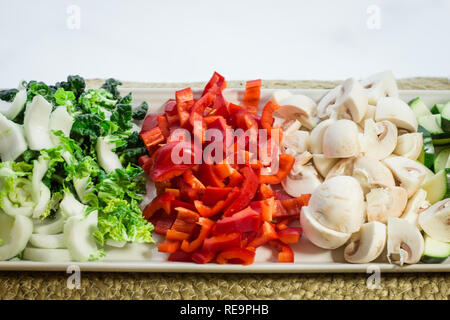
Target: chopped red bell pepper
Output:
[(185, 101), (208, 177), (265, 191), (222, 242), (163, 125), (177, 203), (150, 122), (266, 234), (293, 206), (203, 257), (252, 95), (143, 159), (285, 222), (152, 138), (285, 164), (289, 235), (206, 225), (162, 201), (216, 80), (267, 116), (171, 107), (186, 220), (176, 235), (248, 190), (164, 168), (285, 253), (180, 256), (214, 194), (193, 182), (236, 256), (169, 246), (243, 221)]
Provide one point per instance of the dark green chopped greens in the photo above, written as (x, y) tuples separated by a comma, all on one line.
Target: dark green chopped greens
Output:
[(101, 112)]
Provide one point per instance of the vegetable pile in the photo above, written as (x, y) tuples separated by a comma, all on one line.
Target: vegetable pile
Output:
[(218, 211), (66, 170)]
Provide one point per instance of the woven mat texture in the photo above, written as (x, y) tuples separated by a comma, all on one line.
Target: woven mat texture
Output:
[(53, 285)]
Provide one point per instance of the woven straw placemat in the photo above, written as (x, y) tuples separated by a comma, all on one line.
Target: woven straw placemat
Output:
[(95, 285)]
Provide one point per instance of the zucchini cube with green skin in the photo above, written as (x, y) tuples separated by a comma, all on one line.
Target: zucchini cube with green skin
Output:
[(435, 251)]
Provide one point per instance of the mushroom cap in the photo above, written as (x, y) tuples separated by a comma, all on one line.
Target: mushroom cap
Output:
[(303, 183), (327, 104), (371, 173), (317, 135), (415, 206), (366, 244), (409, 145), (397, 112), (320, 235), (298, 106), (380, 85), (405, 243), (380, 138), (341, 140), (322, 164), (352, 103), (338, 204), (383, 203), (435, 220), (408, 173), (370, 114), (296, 142)]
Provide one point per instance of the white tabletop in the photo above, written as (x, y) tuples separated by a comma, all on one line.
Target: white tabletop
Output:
[(175, 40)]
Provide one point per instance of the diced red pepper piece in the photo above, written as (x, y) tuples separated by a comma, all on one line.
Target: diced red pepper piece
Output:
[(216, 80), (162, 201), (150, 122), (196, 116), (176, 235), (248, 190), (214, 194), (193, 182), (177, 203), (289, 235), (266, 234), (164, 168), (265, 191), (285, 222), (163, 125), (267, 116), (236, 256), (285, 253), (152, 138), (162, 222), (180, 256), (185, 101), (171, 107), (206, 225), (252, 95), (285, 164), (243, 221), (203, 257), (186, 220), (143, 159), (222, 242), (293, 206), (209, 211), (169, 246), (208, 177)]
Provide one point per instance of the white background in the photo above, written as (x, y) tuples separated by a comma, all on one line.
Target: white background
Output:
[(160, 41)]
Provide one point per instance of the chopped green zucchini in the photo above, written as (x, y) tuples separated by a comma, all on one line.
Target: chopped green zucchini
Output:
[(437, 108), (445, 118), (435, 251), (431, 123), (438, 186), (427, 155), (419, 108), (441, 139), (442, 159)]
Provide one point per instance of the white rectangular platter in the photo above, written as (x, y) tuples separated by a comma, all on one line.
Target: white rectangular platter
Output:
[(308, 258)]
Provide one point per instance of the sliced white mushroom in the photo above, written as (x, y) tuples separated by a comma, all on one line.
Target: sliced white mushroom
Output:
[(295, 142), (405, 243), (380, 85), (15, 233), (343, 167), (78, 234), (341, 140), (36, 124), (409, 145), (107, 158), (316, 137), (366, 244), (327, 104), (319, 235), (416, 205), (352, 104), (408, 173), (371, 174), (48, 241), (11, 109), (397, 112), (435, 220), (12, 140), (60, 120), (47, 255), (323, 165), (370, 114), (279, 95), (297, 106), (383, 203), (338, 204), (380, 138), (303, 182)]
